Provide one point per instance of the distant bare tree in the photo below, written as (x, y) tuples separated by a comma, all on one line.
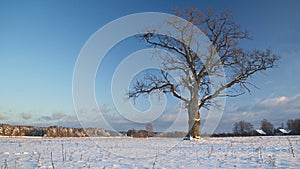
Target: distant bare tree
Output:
[(267, 127), (149, 127), (195, 70), (289, 124), (242, 128), (294, 126)]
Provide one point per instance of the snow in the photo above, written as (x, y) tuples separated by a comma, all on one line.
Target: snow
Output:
[(231, 152)]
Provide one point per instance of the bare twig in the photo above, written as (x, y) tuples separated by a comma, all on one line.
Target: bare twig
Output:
[(52, 163), (38, 158), (291, 147), (259, 152), (210, 151), (153, 165), (5, 164), (62, 152)]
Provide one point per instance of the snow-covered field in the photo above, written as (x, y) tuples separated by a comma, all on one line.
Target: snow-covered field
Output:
[(237, 152)]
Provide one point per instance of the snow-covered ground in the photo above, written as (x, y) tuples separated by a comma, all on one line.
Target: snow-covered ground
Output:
[(237, 152)]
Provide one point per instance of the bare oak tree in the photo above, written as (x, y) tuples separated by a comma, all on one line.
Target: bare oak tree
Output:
[(196, 70)]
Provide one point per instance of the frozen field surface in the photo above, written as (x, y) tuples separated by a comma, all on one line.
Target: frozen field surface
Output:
[(232, 152)]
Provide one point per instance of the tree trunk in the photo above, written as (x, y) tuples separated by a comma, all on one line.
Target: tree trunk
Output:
[(194, 117), (194, 123)]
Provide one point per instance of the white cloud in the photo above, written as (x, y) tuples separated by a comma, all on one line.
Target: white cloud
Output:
[(274, 101), (105, 108), (168, 118), (58, 115), (3, 117), (26, 116), (283, 105), (55, 116)]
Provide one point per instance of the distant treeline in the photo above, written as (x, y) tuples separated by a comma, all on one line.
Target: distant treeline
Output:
[(54, 131), (244, 128), (146, 133), (57, 131), (241, 128)]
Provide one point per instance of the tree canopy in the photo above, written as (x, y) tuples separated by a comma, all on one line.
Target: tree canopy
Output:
[(198, 69)]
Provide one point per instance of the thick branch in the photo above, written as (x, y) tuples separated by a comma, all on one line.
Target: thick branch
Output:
[(150, 84), (252, 63)]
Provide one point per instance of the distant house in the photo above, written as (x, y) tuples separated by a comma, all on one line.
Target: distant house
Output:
[(259, 132), (281, 132)]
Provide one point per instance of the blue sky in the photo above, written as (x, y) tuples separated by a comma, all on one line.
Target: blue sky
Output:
[(41, 40)]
